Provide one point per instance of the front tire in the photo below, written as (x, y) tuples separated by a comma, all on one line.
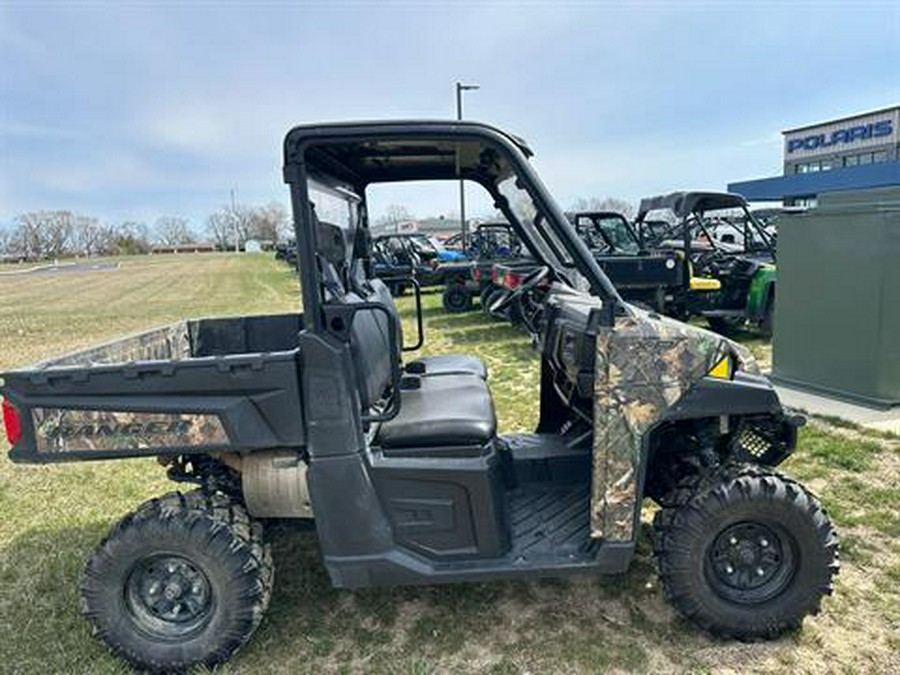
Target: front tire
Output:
[(748, 554), (183, 580), (493, 297)]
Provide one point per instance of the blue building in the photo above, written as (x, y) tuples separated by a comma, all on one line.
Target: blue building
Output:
[(859, 152)]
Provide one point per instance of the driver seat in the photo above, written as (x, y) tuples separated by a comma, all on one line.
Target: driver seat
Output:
[(375, 290)]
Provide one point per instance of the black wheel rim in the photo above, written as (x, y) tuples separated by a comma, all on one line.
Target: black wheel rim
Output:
[(750, 562), (168, 596), (457, 299)]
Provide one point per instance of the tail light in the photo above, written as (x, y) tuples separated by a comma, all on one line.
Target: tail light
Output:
[(11, 422), (513, 280), (495, 274)]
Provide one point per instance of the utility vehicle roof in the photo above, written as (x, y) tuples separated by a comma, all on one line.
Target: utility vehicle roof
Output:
[(392, 150), (594, 214), (685, 203)]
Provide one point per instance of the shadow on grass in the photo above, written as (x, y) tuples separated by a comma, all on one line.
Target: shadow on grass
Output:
[(583, 624)]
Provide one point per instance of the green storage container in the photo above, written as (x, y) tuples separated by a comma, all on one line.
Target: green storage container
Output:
[(837, 311)]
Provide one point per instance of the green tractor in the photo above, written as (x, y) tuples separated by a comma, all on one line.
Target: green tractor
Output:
[(728, 258)]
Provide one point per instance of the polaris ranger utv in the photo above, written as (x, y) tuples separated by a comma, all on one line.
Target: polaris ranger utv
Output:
[(728, 257), (399, 464)]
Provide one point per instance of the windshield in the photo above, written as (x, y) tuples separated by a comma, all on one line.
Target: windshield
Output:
[(734, 228), (607, 232), (423, 244), (526, 213)]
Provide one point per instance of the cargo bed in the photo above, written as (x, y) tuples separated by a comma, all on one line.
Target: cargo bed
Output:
[(199, 385)]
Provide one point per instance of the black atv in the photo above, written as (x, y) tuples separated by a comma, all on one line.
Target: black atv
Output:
[(489, 243), (649, 279)]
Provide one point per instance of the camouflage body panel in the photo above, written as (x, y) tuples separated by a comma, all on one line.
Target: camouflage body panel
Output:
[(166, 343), (643, 366), (60, 430)]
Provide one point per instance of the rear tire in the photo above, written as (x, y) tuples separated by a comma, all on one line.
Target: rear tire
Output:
[(748, 553), (183, 580), (457, 299)]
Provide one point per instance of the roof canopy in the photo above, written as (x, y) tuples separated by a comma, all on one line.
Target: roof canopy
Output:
[(373, 152), (685, 203)]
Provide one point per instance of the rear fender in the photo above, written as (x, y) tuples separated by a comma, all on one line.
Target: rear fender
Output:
[(762, 286)]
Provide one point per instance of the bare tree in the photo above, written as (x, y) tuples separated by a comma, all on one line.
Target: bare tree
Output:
[(268, 223), (240, 222), (89, 236), (221, 228), (130, 238), (394, 214), (44, 234), (173, 231), (7, 245)]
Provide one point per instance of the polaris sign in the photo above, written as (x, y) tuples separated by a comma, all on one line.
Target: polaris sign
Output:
[(842, 136)]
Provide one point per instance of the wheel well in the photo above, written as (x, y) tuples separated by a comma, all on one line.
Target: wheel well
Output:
[(676, 449)]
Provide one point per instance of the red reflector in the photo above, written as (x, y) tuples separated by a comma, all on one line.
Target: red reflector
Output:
[(11, 422), (513, 280)]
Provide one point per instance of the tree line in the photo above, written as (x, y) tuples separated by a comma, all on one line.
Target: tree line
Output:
[(38, 235)]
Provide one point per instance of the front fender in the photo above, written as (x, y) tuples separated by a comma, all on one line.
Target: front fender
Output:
[(746, 394)]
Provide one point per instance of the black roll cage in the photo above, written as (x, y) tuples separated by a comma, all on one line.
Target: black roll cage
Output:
[(685, 205), (301, 139), (594, 216)]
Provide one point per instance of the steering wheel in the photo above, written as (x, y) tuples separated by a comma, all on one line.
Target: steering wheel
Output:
[(529, 283)]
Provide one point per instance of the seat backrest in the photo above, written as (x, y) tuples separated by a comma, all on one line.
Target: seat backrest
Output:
[(370, 349), (374, 289)]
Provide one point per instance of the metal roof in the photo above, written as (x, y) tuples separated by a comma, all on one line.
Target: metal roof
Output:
[(883, 174)]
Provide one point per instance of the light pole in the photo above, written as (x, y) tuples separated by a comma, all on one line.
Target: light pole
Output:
[(464, 230), (234, 220)]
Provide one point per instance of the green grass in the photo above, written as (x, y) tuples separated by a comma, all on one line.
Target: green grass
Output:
[(50, 518)]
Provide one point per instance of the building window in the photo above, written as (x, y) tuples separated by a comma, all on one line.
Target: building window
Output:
[(826, 165), (865, 158), (880, 156), (801, 168), (813, 166), (851, 160), (809, 202)]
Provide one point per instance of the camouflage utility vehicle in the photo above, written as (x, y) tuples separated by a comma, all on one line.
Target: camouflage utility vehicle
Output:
[(398, 464)]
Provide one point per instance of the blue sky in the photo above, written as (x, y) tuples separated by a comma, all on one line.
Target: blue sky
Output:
[(130, 111)]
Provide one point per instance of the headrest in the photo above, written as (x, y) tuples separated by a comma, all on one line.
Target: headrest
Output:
[(331, 243)]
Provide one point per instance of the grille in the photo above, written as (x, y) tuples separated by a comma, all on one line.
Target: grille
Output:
[(753, 442)]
